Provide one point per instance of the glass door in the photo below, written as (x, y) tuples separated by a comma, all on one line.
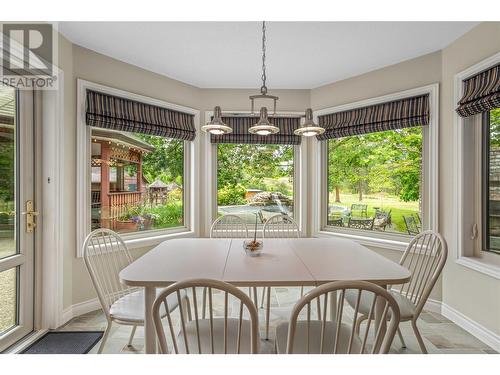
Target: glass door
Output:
[(17, 216)]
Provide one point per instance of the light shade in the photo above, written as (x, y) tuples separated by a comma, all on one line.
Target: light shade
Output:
[(263, 126), (309, 128), (217, 126)]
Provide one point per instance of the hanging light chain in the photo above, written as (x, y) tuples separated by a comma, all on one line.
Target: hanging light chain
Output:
[(263, 89)]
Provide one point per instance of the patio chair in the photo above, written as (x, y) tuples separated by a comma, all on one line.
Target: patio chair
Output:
[(425, 257), (412, 226), (337, 222), (105, 255), (362, 208), (215, 334), (381, 220), (303, 335), (366, 224)]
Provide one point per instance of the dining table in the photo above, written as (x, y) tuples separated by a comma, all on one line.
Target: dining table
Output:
[(283, 262)]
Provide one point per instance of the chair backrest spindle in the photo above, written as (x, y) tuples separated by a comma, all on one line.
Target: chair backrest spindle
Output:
[(105, 255), (341, 336), (229, 226), (230, 333), (281, 226)]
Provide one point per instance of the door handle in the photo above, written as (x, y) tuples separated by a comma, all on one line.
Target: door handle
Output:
[(30, 216)]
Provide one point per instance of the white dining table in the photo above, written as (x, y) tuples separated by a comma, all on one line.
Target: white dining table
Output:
[(283, 262)]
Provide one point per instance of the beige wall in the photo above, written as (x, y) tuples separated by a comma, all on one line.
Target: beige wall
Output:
[(475, 296), (417, 72)]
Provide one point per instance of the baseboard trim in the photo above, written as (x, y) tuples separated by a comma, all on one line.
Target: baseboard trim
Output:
[(474, 328), (433, 305), (79, 309)]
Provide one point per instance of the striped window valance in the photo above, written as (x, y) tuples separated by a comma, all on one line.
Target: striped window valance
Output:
[(240, 133), (481, 93), (112, 112), (398, 114)]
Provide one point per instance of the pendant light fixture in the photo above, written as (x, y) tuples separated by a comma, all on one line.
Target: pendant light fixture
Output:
[(309, 128), (264, 126), (216, 126)]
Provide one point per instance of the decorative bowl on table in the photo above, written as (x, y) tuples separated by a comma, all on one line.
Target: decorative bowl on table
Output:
[(253, 248)]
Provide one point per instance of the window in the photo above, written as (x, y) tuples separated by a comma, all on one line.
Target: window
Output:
[(491, 181), (255, 181), (137, 181), (375, 181)]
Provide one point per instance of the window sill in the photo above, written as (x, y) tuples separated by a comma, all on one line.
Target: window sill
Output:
[(136, 241), (381, 243), (480, 265)]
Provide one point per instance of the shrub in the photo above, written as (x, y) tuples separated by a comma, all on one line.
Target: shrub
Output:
[(231, 195), (167, 215), (175, 195)]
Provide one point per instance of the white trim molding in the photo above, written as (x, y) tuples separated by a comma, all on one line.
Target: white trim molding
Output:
[(465, 254), (191, 172), (299, 184), (79, 309), (479, 331), (430, 156), (52, 205)]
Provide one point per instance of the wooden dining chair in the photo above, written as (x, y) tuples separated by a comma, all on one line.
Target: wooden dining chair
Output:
[(278, 226), (223, 332), (305, 335), (229, 226), (105, 255), (425, 258)]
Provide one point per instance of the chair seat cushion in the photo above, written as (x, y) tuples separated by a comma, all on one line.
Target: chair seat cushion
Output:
[(406, 307), (218, 336), (300, 338), (131, 306)]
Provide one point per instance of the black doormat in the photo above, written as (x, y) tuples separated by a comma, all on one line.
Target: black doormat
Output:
[(64, 342)]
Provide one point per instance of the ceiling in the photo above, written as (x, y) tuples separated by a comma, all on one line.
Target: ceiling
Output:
[(300, 55)]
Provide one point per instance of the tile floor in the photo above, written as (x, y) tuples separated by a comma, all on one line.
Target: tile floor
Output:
[(440, 335)]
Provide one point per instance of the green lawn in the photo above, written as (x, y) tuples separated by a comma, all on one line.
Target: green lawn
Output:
[(384, 202)]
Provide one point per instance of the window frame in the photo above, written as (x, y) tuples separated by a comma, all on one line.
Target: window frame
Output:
[(190, 179), (430, 162), (485, 182), (299, 176), (468, 180)]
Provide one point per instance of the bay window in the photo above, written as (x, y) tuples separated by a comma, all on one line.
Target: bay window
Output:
[(137, 181), (136, 166), (477, 144), (377, 168), (255, 180), (374, 181), (254, 176)]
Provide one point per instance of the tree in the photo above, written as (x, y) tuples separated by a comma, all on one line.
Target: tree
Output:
[(250, 164), (387, 161), (166, 162)]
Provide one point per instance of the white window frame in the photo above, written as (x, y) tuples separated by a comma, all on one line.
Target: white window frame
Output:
[(430, 161), (299, 178), (467, 178), (190, 192)]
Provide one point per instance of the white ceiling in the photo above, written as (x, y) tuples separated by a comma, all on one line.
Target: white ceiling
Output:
[(228, 54)]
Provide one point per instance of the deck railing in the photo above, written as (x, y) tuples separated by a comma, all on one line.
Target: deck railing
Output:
[(119, 202)]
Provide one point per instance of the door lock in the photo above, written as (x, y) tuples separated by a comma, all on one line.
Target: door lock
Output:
[(30, 217)]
